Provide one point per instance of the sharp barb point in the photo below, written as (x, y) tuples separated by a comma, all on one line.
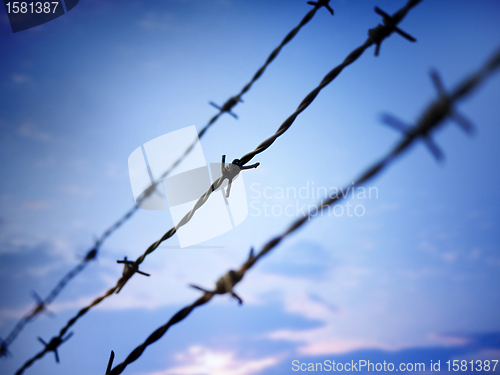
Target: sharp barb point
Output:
[(435, 150), (198, 288), (438, 83), (394, 123), (36, 297), (380, 12), (404, 34), (110, 362), (68, 336), (465, 124)]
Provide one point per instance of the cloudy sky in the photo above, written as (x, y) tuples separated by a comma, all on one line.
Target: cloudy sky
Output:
[(414, 278)]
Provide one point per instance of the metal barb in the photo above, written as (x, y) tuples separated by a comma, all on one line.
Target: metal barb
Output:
[(399, 125), (322, 3), (92, 254), (435, 114), (110, 362), (379, 33), (438, 83), (224, 285), (228, 105), (4, 351), (251, 256), (448, 107), (55, 343), (129, 268), (433, 147), (41, 306), (395, 123), (230, 171)]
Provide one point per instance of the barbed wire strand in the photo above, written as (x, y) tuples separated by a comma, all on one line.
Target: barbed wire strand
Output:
[(227, 107), (433, 117), (375, 36), (41, 305)]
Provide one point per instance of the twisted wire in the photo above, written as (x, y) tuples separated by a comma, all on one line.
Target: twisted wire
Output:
[(353, 56), (375, 36), (42, 305), (234, 100), (216, 185), (383, 31), (429, 121), (230, 103)]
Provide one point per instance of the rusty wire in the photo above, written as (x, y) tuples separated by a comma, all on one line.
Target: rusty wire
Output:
[(226, 108), (432, 117), (375, 36)]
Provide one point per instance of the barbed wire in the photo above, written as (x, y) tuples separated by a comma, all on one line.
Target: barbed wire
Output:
[(432, 117), (226, 108), (234, 100), (375, 36), (41, 305)]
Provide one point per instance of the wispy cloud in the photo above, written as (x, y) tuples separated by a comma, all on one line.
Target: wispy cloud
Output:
[(320, 341), (155, 22), (30, 130), (203, 361), (7, 314), (450, 256), (36, 248), (77, 190), (20, 78), (449, 339), (474, 341)]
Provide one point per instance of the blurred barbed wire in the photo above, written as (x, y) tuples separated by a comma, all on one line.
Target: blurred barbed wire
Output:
[(92, 253), (41, 305), (375, 37), (432, 117)]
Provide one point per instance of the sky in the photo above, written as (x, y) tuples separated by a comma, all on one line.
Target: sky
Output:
[(412, 277)]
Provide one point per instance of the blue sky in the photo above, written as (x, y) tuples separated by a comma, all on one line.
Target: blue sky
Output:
[(414, 279)]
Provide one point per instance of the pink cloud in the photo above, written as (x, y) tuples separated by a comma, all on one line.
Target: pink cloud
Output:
[(200, 361)]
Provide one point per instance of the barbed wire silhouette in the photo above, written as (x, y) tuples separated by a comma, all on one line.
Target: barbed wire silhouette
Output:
[(433, 117), (225, 108), (41, 305), (375, 37), (234, 100)]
